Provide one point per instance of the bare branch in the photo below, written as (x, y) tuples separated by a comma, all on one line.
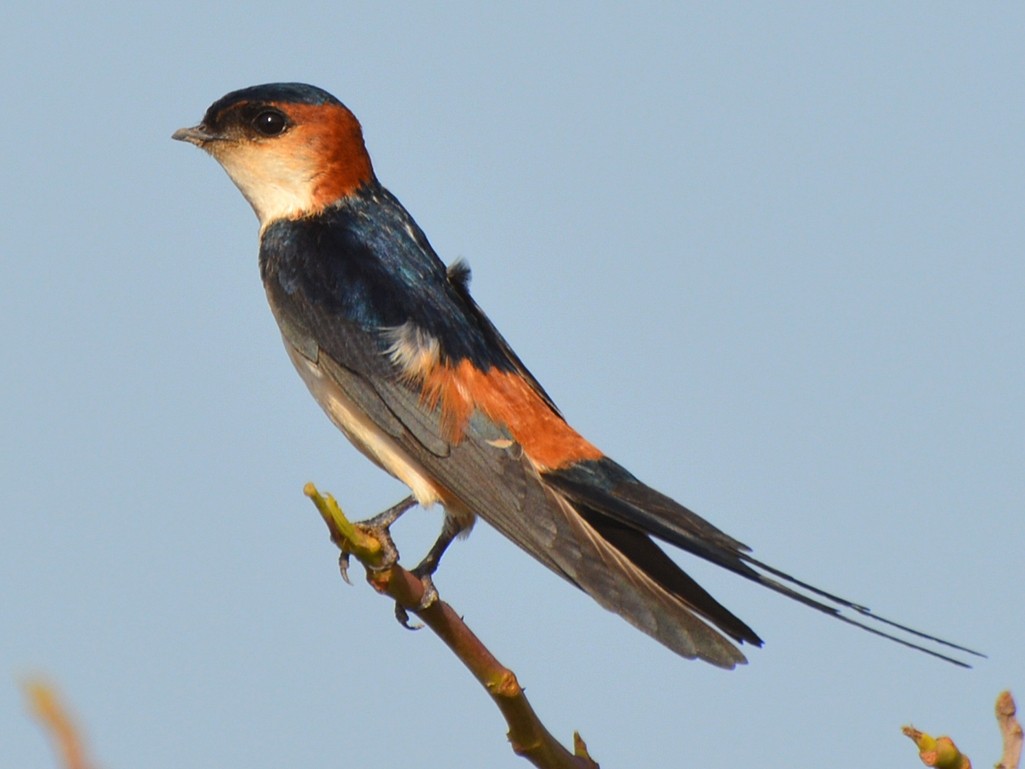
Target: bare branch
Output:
[(1010, 729), (943, 753), (49, 710), (528, 736), (940, 752)]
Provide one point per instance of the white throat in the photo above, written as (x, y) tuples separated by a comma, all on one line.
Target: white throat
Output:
[(276, 186)]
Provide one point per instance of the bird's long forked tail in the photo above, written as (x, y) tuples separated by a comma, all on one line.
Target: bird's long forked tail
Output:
[(607, 489), (864, 611)]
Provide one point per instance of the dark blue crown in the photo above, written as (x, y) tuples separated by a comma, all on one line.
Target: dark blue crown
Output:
[(290, 93)]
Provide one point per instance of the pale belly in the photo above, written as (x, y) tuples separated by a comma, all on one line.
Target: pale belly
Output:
[(362, 432)]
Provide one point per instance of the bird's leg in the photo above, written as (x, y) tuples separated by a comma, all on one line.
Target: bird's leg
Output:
[(382, 521), (379, 527), (424, 570)]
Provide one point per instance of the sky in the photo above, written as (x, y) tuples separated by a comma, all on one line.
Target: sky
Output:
[(767, 256)]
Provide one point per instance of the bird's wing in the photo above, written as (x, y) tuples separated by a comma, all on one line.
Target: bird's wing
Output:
[(588, 520), (487, 473)]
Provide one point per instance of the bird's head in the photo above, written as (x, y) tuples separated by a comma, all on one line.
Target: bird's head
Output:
[(292, 149)]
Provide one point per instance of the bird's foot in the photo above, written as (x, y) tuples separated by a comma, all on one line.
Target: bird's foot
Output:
[(343, 566), (388, 557), (379, 527), (424, 572)]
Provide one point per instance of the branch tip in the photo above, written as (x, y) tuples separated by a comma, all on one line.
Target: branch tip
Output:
[(48, 709), (940, 752), (344, 533), (1010, 730), (580, 748), (527, 734)]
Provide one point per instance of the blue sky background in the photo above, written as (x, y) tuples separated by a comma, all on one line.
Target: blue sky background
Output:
[(770, 260)]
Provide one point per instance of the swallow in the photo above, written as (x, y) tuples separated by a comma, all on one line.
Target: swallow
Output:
[(402, 359)]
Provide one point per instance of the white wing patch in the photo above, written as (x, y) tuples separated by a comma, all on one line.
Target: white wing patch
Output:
[(413, 350)]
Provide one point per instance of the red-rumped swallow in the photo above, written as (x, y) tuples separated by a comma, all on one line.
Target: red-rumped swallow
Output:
[(411, 370)]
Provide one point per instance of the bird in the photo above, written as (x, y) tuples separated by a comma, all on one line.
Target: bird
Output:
[(407, 365)]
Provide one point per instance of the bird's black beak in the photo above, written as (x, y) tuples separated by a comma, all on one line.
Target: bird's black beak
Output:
[(198, 135)]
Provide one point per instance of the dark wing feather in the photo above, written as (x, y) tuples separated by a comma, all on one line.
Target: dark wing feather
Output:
[(608, 489), (490, 477)]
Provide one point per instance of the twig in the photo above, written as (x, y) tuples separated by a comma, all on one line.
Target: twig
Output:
[(51, 713), (939, 752), (528, 736), (1010, 729)]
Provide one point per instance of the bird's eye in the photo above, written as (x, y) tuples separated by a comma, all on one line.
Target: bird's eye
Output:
[(270, 122)]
